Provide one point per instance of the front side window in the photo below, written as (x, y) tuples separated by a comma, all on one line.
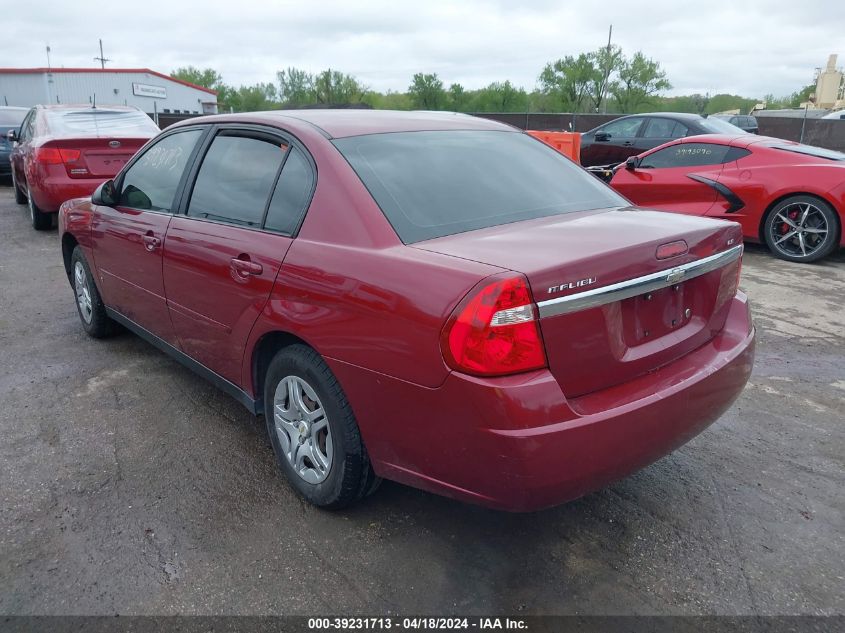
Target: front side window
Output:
[(431, 184), (623, 128), (686, 155), (26, 127), (151, 182), (236, 178)]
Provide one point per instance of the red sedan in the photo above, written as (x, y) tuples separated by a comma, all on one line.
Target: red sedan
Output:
[(65, 151), (789, 196), (431, 298)]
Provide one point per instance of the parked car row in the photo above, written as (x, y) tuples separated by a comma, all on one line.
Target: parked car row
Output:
[(439, 262)]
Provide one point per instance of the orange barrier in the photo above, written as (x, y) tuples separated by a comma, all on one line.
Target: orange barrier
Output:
[(567, 143)]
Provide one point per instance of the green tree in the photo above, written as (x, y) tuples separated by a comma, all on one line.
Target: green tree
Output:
[(501, 97), (296, 87), (606, 62), (639, 80), (332, 87), (207, 77), (459, 98), (568, 82), (427, 93)]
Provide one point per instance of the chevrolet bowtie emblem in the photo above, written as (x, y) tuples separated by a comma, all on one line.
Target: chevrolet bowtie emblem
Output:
[(676, 274)]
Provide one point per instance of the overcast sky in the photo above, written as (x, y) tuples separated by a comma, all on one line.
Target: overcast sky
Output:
[(748, 47)]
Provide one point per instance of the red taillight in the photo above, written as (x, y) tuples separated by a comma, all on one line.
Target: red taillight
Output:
[(55, 156), (494, 331)]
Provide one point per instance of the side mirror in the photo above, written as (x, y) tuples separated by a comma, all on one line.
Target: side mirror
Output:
[(602, 136), (632, 162), (105, 195), (12, 136)]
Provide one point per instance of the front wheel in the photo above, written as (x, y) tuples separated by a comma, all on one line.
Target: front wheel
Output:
[(313, 431), (802, 229), (40, 221), (89, 305)]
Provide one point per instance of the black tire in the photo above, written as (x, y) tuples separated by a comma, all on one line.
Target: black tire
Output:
[(98, 324), (40, 221), (20, 198), (349, 475), (777, 229)]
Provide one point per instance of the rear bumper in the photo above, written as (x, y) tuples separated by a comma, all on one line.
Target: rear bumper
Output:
[(517, 444), (50, 190)]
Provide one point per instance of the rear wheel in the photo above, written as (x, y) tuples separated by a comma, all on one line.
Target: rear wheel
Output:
[(40, 221), (313, 431), (802, 229), (19, 197)]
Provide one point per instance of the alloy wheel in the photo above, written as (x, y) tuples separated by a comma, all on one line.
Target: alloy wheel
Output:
[(83, 292), (799, 229), (302, 427)]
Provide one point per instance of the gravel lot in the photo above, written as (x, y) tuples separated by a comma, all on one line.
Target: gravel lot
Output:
[(130, 486)]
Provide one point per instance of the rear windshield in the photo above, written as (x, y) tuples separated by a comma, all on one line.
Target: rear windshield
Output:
[(431, 184), (12, 116), (719, 126), (809, 150), (101, 122)]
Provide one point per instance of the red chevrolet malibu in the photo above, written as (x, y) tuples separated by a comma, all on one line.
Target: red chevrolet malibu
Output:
[(435, 299), (65, 151)]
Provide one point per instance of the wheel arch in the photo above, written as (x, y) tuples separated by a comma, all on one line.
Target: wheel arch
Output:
[(776, 201), (263, 352), (69, 242)]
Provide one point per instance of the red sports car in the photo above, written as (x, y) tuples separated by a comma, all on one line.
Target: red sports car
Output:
[(789, 196), (65, 151), (432, 298)]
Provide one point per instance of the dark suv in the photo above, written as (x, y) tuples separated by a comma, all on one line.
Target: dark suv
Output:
[(613, 142), (745, 122)]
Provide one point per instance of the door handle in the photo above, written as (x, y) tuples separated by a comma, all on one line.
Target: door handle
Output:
[(628, 143), (244, 267), (151, 242)]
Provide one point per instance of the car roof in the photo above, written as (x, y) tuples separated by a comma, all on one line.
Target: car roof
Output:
[(341, 123)]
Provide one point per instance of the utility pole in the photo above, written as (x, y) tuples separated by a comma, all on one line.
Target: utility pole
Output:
[(102, 59), (606, 72), (48, 57)]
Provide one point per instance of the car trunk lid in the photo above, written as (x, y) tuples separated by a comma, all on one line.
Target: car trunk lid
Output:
[(609, 309), (96, 157)]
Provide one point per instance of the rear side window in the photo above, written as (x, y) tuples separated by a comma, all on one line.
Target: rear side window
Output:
[(151, 182), (659, 127), (686, 155), (431, 184), (292, 194), (101, 122), (236, 178)]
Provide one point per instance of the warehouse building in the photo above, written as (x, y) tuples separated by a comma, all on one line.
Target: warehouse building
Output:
[(151, 91)]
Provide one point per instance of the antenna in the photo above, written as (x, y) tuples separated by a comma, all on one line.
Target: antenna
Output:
[(94, 104), (102, 58)]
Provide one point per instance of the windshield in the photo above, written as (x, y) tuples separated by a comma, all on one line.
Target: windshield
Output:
[(12, 116), (809, 150), (431, 184), (718, 126), (101, 122)]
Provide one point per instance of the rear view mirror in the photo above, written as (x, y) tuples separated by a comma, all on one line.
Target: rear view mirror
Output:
[(632, 162), (12, 136), (602, 136), (105, 194)]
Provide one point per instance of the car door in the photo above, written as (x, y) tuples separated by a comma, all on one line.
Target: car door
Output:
[(656, 131), (682, 178), (128, 238), (223, 253), (612, 143)]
